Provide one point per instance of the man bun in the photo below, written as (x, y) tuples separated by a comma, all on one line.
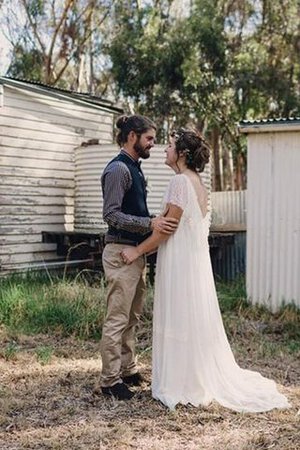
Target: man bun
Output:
[(121, 122), (137, 123)]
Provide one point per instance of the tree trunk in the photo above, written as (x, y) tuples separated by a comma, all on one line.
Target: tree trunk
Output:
[(217, 160), (240, 180), (228, 181)]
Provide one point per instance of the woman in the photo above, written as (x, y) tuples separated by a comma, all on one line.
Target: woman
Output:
[(192, 359)]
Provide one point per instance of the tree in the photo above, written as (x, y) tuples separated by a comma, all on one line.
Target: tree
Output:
[(60, 37), (223, 61)]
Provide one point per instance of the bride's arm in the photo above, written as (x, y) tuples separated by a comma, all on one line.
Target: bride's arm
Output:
[(129, 254)]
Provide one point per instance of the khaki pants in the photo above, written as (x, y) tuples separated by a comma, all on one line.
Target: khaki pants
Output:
[(125, 298)]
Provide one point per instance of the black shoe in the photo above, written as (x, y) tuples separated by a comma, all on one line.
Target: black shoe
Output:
[(133, 380), (120, 391)]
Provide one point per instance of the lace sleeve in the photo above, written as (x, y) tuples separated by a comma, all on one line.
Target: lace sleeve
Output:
[(177, 193)]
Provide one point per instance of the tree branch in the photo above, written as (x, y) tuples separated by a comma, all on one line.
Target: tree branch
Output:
[(34, 28)]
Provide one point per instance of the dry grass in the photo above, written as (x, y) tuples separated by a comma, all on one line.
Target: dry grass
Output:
[(54, 404)]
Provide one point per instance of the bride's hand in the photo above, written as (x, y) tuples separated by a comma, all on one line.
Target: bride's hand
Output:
[(129, 254)]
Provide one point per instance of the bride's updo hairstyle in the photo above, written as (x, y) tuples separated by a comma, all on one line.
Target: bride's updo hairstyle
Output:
[(194, 146), (136, 123)]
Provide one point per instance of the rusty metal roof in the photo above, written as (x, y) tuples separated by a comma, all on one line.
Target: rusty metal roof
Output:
[(46, 89), (281, 124)]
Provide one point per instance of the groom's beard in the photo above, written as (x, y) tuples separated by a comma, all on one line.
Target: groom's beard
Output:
[(143, 152)]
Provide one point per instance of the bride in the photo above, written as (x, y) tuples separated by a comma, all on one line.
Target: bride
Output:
[(192, 359)]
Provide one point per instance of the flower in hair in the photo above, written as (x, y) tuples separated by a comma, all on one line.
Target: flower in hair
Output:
[(177, 134)]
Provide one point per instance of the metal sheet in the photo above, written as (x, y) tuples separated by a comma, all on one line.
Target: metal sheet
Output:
[(273, 219)]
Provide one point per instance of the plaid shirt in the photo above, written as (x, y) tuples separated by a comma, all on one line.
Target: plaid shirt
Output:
[(116, 181)]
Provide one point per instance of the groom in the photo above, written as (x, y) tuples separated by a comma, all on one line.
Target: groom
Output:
[(129, 223)]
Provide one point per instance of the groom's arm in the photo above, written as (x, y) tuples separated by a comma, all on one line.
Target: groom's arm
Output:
[(152, 242), (116, 181)]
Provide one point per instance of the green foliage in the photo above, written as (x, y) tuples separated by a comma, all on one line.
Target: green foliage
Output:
[(10, 351), (219, 63), (27, 64), (44, 354), (232, 296), (36, 304), (36, 8)]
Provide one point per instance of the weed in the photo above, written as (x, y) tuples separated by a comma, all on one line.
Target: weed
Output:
[(40, 305), (10, 351), (44, 354)]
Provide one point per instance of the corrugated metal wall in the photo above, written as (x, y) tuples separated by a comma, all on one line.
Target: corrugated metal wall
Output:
[(229, 219), (273, 218), (228, 208), (89, 164)]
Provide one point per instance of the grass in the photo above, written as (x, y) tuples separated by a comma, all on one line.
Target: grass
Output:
[(49, 393), (10, 351), (40, 304), (44, 354), (276, 332)]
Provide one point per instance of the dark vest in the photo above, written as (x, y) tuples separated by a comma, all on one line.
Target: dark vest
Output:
[(134, 201)]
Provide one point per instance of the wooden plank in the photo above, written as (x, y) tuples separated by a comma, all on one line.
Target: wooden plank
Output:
[(20, 142), (36, 200), (23, 220), (20, 239), (49, 165), (27, 257), (95, 122), (105, 137), (42, 265), (24, 123), (36, 175), (62, 129), (17, 249), (38, 156), (50, 105), (42, 136), (44, 182), (13, 209), (24, 229)]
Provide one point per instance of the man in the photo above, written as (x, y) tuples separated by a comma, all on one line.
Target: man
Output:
[(129, 223)]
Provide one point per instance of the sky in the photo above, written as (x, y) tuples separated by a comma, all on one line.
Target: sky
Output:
[(4, 50), (180, 7), (4, 44)]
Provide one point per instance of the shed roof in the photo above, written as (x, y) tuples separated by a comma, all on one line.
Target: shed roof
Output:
[(270, 125), (85, 98)]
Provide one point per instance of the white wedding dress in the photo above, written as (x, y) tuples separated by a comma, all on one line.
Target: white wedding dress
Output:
[(192, 359)]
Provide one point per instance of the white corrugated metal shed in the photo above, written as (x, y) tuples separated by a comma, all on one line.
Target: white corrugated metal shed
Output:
[(273, 211), (40, 126)]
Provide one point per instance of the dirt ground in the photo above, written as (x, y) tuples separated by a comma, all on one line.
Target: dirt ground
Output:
[(57, 405)]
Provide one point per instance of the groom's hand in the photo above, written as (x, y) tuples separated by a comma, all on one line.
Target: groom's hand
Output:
[(165, 225)]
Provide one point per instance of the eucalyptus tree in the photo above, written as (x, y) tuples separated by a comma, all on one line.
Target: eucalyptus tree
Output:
[(55, 41), (217, 62)]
